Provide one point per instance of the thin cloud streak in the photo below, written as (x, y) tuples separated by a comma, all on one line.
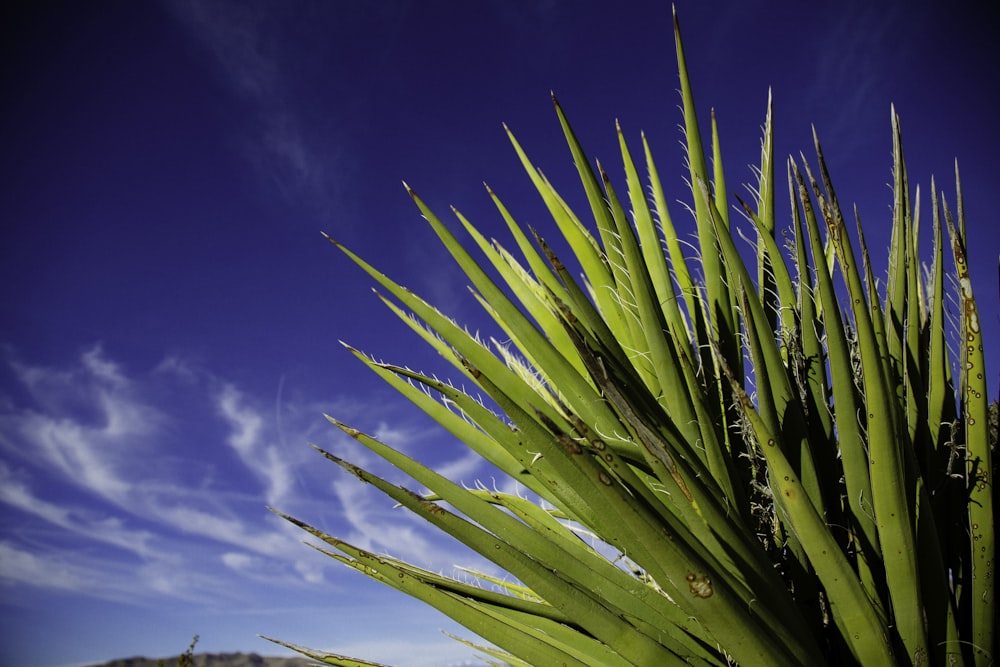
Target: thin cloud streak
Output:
[(165, 523), (80, 521), (242, 38), (47, 571), (257, 447), (88, 435), (88, 453), (849, 76)]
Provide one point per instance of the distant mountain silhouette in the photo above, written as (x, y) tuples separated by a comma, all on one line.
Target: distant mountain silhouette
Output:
[(214, 660)]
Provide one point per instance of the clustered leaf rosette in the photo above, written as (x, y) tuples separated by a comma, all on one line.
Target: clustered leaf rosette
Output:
[(763, 467)]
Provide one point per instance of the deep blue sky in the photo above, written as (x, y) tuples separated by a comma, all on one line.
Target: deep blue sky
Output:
[(169, 313)]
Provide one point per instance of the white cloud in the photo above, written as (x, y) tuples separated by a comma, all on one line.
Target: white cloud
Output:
[(223, 529), (80, 453), (233, 34), (256, 450), (310, 572), (103, 368), (82, 572), (88, 463), (464, 469), (851, 65), (19, 565), (241, 38), (82, 522), (246, 424), (89, 422), (125, 499), (238, 561), (15, 492), (195, 581), (397, 435)]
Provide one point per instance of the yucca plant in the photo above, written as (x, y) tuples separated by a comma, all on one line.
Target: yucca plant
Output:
[(776, 466)]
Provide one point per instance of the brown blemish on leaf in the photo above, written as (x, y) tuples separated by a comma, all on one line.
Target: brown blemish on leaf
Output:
[(699, 586)]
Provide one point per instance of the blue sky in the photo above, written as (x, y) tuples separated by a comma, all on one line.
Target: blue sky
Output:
[(170, 314)]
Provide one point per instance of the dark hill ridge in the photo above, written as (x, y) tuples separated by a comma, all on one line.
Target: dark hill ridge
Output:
[(214, 660)]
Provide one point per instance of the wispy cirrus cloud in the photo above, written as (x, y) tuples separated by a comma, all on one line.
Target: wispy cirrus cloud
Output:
[(244, 39), (257, 452), (46, 570), (851, 65), (76, 519), (91, 448), (234, 34), (91, 463), (156, 483)]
